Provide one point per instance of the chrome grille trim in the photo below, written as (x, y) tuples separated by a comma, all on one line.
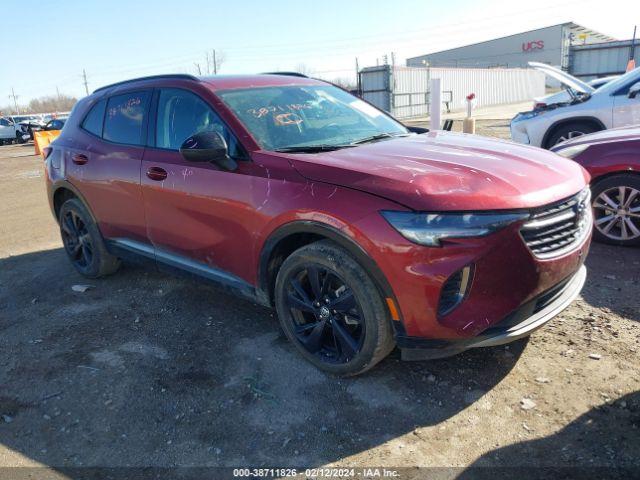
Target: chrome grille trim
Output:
[(556, 229)]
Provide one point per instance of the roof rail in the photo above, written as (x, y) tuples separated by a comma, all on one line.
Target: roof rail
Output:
[(288, 74), (184, 76)]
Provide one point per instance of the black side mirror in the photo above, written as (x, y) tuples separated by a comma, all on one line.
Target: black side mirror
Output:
[(417, 130), (634, 90), (208, 147)]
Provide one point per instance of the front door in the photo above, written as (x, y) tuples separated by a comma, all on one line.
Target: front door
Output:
[(199, 217), (7, 129), (626, 111)]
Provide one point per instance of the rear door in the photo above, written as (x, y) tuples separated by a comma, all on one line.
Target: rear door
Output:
[(105, 163)]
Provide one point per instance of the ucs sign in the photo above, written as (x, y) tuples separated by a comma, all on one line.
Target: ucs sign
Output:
[(532, 46)]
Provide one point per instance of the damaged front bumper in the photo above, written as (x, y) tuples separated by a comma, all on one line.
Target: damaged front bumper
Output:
[(520, 323)]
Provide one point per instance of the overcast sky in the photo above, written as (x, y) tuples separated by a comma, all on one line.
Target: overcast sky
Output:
[(118, 39)]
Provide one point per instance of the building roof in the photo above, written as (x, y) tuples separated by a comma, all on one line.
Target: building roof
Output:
[(573, 26)]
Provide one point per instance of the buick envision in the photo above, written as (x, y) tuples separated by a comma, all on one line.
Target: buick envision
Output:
[(295, 194)]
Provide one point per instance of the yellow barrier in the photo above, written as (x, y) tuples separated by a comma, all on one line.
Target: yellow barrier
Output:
[(42, 139)]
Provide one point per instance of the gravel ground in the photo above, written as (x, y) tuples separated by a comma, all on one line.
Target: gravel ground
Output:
[(149, 370)]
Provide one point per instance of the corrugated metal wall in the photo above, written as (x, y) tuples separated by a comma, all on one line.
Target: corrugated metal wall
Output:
[(410, 92), (601, 59), (403, 91)]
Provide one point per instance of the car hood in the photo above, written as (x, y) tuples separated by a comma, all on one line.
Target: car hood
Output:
[(622, 134), (447, 171), (563, 77)]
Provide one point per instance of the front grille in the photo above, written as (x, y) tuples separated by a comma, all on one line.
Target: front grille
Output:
[(555, 229)]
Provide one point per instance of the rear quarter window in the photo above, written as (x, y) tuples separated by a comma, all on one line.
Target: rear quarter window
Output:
[(125, 117), (92, 123)]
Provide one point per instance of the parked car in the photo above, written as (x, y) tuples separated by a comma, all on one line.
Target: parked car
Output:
[(295, 194), (615, 104), (55, 124), (27, 124), (567, 94), (11, 132), (612, 157)]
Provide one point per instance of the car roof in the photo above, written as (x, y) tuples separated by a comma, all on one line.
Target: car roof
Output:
[(228, 82), (224, 82)]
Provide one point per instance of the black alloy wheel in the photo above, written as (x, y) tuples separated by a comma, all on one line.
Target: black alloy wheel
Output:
[(331, 310), (83, 242), (328, 318), (76, 240)]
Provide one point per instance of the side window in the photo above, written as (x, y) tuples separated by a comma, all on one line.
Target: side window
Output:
[(125, 118), (93, 121), (182, 114), (4, 123)]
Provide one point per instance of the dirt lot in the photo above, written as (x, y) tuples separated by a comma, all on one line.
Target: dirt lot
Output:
[(150, 370)]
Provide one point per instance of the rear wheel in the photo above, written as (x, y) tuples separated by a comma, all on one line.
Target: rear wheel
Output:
[(569, 131), (332, 312), (616, 210), (83, 242)]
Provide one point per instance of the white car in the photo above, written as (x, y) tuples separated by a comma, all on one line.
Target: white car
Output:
[(616, 104), (8, 131), (566, 96), (18, 128)]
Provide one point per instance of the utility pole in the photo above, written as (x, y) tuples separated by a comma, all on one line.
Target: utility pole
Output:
[(15, 101), (632, 52), (215, 66), (198, 67), (358, 78), (84, 78)]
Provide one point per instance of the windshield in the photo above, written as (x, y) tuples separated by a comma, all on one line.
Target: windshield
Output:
[(625, 80), (286, 117)]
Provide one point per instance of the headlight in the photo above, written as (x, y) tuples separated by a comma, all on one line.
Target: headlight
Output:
[(430, 228), (526, 115), (572, 151)]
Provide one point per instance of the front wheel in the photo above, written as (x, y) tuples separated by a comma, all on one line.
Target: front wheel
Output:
[(616, 210), (569, 131), (332, 312)]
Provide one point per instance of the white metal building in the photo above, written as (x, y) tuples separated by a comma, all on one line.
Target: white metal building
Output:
[(404, 91), (551, 45)]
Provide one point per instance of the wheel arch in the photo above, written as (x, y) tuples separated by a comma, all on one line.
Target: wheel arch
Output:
[(615, 173), (565, 121), (63, 191), (291, 236)]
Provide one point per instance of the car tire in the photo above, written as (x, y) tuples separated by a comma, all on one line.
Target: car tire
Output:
[(19, 139), (569, 131), (615, 222), (83, 242), (339, 323)]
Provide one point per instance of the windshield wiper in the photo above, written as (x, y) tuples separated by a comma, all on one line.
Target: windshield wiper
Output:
[(379, 136), (312, 148)]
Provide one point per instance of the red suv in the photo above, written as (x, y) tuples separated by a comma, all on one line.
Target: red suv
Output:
[(293, 193)]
